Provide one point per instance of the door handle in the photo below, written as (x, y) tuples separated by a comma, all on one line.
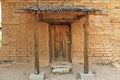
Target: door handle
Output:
[(68, 42)]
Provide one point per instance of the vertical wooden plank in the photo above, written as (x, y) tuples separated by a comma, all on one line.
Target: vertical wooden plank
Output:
[(68, 41), (86, 35), (50, 42), (70, 38), (61, 40), (53, 43), (62, 32)]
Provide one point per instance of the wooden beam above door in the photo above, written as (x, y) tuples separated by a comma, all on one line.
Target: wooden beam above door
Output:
[(59, 20)]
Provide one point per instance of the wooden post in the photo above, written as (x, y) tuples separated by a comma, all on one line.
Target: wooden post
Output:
[(36, 43), (86, 35)]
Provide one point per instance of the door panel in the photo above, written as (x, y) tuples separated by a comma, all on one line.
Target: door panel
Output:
[(60, 42)]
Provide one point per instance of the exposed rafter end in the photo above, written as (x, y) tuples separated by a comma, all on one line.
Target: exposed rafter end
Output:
[(21, 10), (101, 12)]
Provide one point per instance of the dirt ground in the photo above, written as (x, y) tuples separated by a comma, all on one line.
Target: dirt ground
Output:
[(22, 71)]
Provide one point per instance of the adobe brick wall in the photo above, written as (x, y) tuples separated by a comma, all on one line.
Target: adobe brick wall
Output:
[(115, 20), (18, 34), (100, 49)]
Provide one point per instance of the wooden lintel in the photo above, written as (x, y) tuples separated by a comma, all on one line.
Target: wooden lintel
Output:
[(59, 20)]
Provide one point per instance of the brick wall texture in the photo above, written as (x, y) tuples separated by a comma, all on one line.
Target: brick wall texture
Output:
[(18, 32)]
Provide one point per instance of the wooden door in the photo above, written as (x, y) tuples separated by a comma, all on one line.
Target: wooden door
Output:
[(60, 43)]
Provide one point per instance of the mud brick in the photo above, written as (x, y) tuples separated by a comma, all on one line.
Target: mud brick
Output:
[(107, 55), (12, 57), (116, 54), (22, 57), (31, 49), (31, 52), (43, 63), (44, 57), (76, 61), (8, 49), (96, 54), (78, 54), (22, 49), (78, 48), (14, 53), (4, 53), (25, 53), (4, 58)]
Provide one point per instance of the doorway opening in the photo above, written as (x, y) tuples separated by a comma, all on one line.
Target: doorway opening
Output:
[(60, 42)]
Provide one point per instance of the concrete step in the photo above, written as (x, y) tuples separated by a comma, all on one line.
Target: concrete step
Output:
[(61, 68), (61, 64)]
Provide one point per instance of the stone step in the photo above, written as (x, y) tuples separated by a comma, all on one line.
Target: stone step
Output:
[(60, 70), (61, 64), (61, 67)]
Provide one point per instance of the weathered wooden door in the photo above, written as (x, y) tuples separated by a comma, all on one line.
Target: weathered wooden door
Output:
[(60, 42)]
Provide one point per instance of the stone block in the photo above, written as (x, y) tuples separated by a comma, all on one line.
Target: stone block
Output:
[(62, 66), (116, 64), (34, 76), (60, 70), (89, 76)]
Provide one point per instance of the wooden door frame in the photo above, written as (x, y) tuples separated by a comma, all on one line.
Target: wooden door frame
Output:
[(50, 25)]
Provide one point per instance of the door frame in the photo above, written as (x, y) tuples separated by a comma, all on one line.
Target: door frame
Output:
[(50, 25)]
